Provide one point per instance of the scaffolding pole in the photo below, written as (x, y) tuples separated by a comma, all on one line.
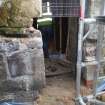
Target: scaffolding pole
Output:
[(81, 37), (80, 44)]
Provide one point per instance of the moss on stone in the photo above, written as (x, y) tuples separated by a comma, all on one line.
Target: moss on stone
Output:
[(4, 14), (18, 13), (4, 31)]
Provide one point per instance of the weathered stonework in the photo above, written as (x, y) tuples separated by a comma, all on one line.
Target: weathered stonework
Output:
[(18, 13), (22, 64), (22, 70)]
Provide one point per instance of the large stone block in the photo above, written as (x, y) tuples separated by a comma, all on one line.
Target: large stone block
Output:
[(19, 63), (37, 64), (24, 67), (18, 13)]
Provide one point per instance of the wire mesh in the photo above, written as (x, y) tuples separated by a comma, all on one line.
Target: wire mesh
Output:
[(62, 8), (71, 8)]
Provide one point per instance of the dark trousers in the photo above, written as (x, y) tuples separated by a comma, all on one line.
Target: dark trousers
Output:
[(47, 36)]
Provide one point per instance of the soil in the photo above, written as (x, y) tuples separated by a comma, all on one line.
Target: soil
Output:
[(60, 87), (60, 90)]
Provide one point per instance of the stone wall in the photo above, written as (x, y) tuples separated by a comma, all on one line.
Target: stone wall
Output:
[(22, 69), (22, 64)]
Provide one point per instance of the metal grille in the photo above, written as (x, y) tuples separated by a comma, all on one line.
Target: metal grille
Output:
[(71, 8), (62, 8)]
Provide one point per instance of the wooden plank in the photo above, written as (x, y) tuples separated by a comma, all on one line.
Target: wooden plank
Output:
[(72, 42)]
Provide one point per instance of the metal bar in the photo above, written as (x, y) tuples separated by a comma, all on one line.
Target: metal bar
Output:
[(90, 20), (100, 93), (90, 98), (84, 64), (98, 61), (81, 101), (92, 63), (96, 102), (88, 33), (79, 56), (102, 77), (80, 44)]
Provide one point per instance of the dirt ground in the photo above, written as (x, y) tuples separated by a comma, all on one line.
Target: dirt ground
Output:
[(60, 90)]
